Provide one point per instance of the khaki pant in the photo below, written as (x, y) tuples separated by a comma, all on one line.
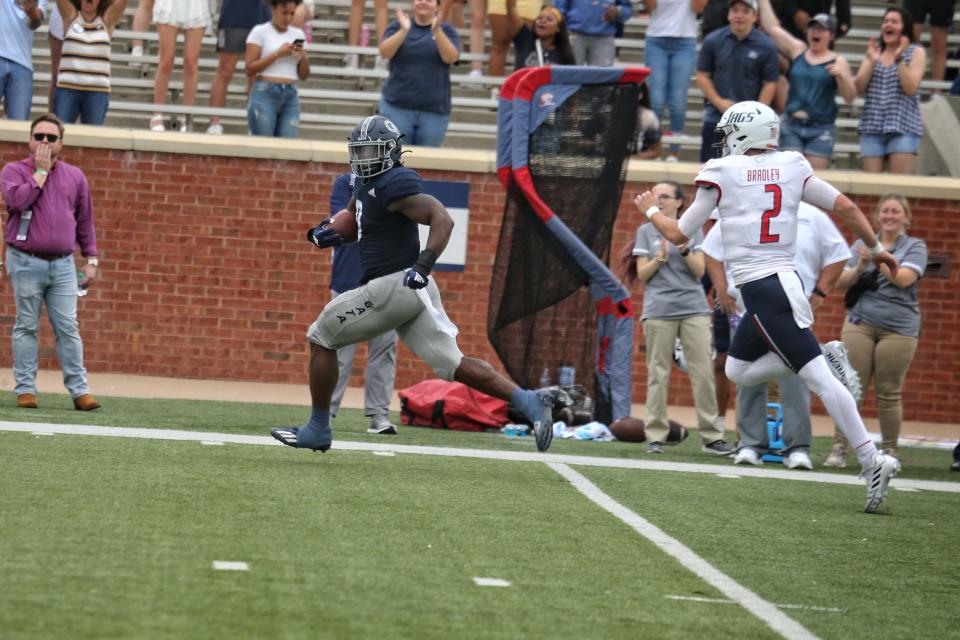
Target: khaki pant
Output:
[(883, 356), (694, 334)]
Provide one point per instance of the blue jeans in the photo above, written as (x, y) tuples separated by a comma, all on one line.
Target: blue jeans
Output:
[(274, 110), (593, 51), (807, 137), (671, 62), (421, 128), (37, 282), (16, 89), (882, 145), (91, 106)]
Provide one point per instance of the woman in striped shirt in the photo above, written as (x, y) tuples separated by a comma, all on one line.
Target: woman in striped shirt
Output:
[(83, 82)]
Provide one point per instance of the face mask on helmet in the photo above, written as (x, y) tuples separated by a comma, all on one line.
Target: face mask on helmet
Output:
[(374, 147)]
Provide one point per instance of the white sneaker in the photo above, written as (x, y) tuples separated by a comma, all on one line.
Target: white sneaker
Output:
[(798, 459), (878, 476), (351, 61), (836, 354), (215, 129), (475, 73), (837, 457), (156, 122), (748, 455), (381, 425)]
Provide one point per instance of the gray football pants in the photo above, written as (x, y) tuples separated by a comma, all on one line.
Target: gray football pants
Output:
[(377, 379), (752, 414)]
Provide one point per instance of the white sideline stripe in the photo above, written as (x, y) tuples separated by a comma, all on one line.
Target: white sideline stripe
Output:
[(491, 582), (42, 433), (212, 443), (229, 565), (781, 623), (731, 476), (782, 606), (384, 453), (487, 454)]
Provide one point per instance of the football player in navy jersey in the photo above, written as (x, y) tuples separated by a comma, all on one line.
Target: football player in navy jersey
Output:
[(397, 291)]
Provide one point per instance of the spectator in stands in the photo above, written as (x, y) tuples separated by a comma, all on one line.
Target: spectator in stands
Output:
[(649, 144), (955, 465), (671, 54), (941, 17), (355, 24), (276, 57), (816, 74), (83, 83), (55, 40), (40, 259), (593, 28), (713, 16), (790, 18), (416, 95), (18, 20), (173, 16), (142, 19), (547, 42), (883, 324), (737, 63), (237, 18), (674, 306), (820, 257), (808, 8), (889, 79), (381, 351), (501, 32), (478, 22)]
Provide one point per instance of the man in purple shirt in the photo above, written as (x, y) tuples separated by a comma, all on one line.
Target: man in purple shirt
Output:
[(50, 213)]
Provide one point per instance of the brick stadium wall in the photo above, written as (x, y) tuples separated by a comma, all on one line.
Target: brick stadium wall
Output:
[(206, 275)]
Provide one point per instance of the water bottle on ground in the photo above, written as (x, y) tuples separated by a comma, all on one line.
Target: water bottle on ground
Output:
[(81, 287), (566, 376), (545, 379), (365, 35)]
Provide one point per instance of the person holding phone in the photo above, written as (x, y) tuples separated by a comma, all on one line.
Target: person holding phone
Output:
[(276, 58)]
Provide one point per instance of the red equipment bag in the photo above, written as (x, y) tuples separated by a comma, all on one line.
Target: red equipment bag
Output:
[(450, 405)]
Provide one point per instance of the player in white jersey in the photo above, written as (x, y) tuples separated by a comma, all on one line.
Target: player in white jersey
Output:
[(756, 190)]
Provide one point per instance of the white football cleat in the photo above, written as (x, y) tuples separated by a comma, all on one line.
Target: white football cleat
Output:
[(836, 354), (798, 459), (878, 476), (748, 455)]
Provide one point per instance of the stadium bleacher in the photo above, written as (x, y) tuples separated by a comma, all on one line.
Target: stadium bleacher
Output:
[(333, 98)]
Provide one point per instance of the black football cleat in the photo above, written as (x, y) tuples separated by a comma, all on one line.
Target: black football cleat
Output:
[(543, 427)]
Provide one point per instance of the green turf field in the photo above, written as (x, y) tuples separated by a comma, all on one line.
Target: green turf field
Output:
[(116, 538)]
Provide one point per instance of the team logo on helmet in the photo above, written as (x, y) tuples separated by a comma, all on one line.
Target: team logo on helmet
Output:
[(374, 147)]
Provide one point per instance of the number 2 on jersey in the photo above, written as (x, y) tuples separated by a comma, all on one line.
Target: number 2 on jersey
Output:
[(765, 236)]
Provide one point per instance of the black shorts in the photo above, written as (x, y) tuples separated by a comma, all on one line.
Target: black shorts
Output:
[(768, 325), (940, 11), (232, 39)]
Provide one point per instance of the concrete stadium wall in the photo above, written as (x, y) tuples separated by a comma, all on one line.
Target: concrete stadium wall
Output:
[(206, 275)]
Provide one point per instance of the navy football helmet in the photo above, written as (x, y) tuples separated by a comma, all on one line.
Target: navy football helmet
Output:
[(374, 147)]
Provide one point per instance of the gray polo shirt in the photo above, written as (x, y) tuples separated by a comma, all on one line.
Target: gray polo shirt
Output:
[(890, 307), (673, 293)]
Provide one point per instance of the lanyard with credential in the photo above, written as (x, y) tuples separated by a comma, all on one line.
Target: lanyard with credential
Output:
[(25, 218)]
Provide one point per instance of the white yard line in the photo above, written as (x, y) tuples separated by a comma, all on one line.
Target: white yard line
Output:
[(781, 623), (782, 606), (516, 456)]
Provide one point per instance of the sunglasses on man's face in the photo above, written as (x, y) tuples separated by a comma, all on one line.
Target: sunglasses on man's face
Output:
[(49, 137)]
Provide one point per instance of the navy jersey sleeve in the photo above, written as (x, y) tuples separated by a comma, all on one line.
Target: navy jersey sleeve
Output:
[(403, 182), (341, 193)]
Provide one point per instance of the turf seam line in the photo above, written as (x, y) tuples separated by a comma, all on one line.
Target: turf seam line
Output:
[(785, 626), (489, 454)]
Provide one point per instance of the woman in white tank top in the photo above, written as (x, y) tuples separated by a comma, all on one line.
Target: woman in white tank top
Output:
[(83, 77)]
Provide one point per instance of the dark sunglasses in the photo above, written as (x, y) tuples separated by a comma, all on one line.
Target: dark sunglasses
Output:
[(50, 137)]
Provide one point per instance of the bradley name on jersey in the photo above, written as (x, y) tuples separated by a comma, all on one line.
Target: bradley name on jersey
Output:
[(760, 175)]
